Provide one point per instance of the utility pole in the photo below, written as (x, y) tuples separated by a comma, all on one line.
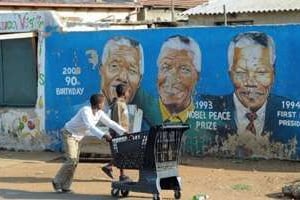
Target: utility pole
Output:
[(172, 11), (225, 15)]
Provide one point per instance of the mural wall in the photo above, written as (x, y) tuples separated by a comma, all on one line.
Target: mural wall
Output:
[(237, 87)]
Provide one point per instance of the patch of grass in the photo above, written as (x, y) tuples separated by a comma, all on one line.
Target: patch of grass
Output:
[(200, 196), (241, 187)]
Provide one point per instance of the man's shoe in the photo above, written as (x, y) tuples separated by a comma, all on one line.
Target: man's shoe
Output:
[(67, 191), (107, 171), (125, 178), (56, 187), (288, 190)]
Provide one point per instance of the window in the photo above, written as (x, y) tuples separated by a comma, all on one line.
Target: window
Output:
[(18, 70)]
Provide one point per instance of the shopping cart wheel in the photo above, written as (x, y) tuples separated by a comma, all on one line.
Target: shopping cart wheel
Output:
[(156, 197), (177, 194), (115, 192), (124, 193)]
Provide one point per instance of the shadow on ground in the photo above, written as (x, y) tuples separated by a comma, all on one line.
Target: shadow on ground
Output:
[(270, 165), (26, 156), (21, 194), (43, 180), (279, 196)]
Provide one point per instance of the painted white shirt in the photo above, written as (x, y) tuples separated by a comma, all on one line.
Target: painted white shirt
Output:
[(242, 121), (84, 123)]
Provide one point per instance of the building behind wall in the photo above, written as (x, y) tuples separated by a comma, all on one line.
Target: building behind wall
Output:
[(22, 106), (83, 15), (22, 79), (244, 12), (162, 11)]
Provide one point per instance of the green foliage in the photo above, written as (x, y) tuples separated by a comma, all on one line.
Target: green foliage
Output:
[(241, 187), (200, 196)]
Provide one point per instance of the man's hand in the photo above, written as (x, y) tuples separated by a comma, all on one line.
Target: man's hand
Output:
[(129, 136), (107, 137)]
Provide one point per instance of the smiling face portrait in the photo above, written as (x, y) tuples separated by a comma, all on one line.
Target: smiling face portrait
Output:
[(122, 63), (178, 69), (252, 68)]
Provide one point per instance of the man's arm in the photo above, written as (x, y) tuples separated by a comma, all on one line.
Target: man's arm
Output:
[(112, 124)]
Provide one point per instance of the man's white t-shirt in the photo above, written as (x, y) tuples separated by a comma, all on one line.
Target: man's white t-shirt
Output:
[(84, 123)]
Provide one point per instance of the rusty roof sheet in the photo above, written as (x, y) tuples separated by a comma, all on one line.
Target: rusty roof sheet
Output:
[(214, 7), (177, 3)]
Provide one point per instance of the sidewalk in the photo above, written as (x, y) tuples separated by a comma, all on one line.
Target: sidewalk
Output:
[(28, 175), (8, 158)]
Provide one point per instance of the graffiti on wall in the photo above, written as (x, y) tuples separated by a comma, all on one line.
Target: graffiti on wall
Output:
[(20, 130), (23, 22), (26, 21), (238, 92)]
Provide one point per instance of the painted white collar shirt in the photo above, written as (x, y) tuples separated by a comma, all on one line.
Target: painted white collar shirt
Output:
[(242, 121)]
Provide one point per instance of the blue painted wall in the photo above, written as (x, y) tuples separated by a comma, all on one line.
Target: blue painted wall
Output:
[(69, 65)]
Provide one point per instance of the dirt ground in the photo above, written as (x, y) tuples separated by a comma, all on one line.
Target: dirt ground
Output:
[(26, 175)]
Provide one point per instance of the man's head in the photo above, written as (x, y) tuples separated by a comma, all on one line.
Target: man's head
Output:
[(97, 101), (122, 63), (179, 65), (251, 58)]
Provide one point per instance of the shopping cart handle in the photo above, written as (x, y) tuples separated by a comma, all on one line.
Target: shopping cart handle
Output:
[(129, 136), (176, 125)]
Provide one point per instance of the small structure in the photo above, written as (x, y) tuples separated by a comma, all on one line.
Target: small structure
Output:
[(22, 79), (161, 11), (244, 12)]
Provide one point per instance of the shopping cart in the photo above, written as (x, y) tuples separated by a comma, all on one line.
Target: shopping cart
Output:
[(155, 153)]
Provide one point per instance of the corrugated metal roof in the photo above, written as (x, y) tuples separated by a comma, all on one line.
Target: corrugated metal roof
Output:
[(70, 3), (177, 3), (243, 6)]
